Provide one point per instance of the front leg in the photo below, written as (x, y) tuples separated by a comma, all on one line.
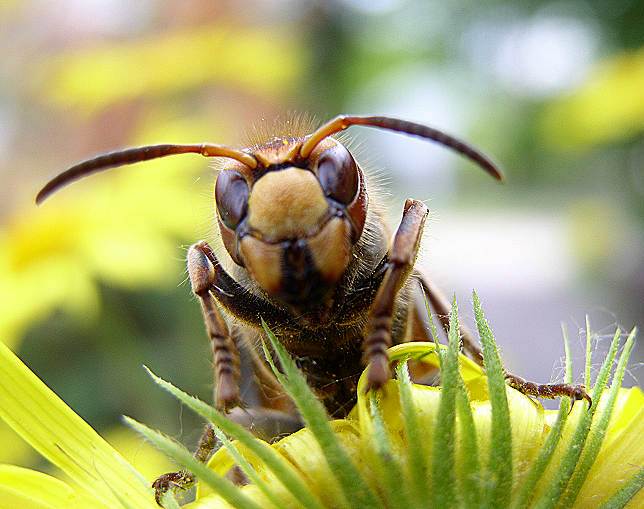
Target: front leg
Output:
[(202, 270), (202, 267), (401, 260)]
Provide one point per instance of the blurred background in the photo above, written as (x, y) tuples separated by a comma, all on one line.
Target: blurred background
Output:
[(92, 284)]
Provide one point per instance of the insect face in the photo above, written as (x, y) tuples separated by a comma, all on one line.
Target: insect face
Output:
[(292, 222)]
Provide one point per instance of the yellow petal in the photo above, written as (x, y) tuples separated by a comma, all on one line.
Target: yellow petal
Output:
[(528, 431), (302, 449), (14, 451), (27, 489), (52, 428), (426, 352), (222, 461), (621, 454)]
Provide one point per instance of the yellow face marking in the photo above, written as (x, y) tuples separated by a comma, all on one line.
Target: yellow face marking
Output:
[(286, 204), (263, 261), (331, 249)]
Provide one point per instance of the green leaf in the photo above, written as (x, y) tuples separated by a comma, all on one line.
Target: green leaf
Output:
[(356, 491), (226, 489), (550, 498), (598, 431), (499, 467), (284, 471), (443, 460)]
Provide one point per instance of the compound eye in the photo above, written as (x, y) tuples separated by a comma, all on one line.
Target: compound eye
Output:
[(338, 174), (231, 195)]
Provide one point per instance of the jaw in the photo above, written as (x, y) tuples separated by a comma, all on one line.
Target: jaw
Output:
[(301, 273)]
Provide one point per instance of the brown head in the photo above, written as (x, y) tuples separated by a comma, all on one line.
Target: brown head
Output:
[(292, 221), (290, 210)]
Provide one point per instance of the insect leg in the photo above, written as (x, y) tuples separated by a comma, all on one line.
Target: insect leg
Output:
[(549, 391), (265, 423), (442, 308), (202, 265), (183, 479), (401, 260)]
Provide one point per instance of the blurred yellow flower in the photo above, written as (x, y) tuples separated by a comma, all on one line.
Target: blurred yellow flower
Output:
[(261, 60), (608, 107), (124, 231)]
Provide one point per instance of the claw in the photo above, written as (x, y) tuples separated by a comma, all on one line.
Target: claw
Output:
[(379, 372), (580, 393), (572, 404), (182, 480)]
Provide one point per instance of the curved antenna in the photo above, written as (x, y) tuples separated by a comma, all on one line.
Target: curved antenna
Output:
[(135, 155), (343, 122)]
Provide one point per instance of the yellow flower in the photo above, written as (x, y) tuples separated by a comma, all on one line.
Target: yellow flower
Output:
[(472, 442), (619, 459), (608, 107), (264, 61)]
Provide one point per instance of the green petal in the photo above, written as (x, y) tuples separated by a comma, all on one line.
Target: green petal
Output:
[(566, 456), (599, 427), (277, 497), (181, 455), (553, 435), (258, 453), (629, 495), (418, 469), (354, 486), (52, 428), (527, 431), (213, 501), (303, 450), (443, 460), (222, 461), (386, 465), (499, 465)]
